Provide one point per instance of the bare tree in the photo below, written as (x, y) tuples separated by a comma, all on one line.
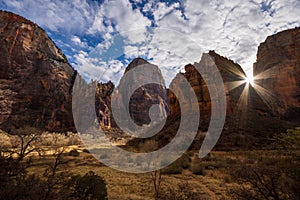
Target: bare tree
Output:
[(272, 177), (55, 177), (156, 177), (24, 142)]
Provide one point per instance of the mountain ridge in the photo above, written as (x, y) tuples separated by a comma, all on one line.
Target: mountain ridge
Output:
[(45, 101)]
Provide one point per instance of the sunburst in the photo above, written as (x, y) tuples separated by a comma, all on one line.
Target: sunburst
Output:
[(250, 82)]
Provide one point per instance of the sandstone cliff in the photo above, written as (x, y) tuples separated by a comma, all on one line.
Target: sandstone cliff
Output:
[(35, 78), (146, 95), (229, 71), (268, 107), (36, 87), (277, 70)]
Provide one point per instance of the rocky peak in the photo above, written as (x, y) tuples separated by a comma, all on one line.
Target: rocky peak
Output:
[(135, 62), (145, 96), (229, 71)]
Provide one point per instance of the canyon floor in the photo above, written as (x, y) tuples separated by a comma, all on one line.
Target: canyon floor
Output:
[(212, 180), (227, 174)]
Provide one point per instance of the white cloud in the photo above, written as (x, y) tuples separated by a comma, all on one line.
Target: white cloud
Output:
[(93, 68), (76, 40), (161, 10), (64, 16), (234, 28), (118, 16)]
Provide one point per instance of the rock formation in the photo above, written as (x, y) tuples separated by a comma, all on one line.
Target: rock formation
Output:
[(146, 95), (270, 106), (229, 71), (36, 87), (103, 104), (35, 78), (277, 71), (36, 82)]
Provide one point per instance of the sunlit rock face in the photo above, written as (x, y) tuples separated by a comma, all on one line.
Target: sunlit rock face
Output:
[(35, 78), (103, 104), (278, 71)]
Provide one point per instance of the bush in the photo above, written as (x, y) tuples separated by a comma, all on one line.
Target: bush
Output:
[(271, 177), (85, 151), (74, 153), (174, 168), (87, 187), (184, 161), (197, 167), (182, 192)]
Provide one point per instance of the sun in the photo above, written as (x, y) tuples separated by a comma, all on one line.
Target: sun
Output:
[(249, 80)]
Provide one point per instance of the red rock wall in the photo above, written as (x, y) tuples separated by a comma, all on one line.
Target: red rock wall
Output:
[(278, 62), (147, 95), (35, 78), (229, 71)]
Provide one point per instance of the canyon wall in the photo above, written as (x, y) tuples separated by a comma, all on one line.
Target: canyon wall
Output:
[(35, 78)]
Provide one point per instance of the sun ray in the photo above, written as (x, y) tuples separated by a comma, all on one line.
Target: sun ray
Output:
[(249, 80), (242, 110), (243, 100), (233, 69), (267, 97), (234, 84), (269, 73)]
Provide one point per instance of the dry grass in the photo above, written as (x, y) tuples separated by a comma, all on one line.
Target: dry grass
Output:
[(121, 185), (214, 183)]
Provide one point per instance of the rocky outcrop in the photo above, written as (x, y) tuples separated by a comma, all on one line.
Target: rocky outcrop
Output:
[(138, 104), (230, 72), (277, 71), (146, 95), (36, 87), (103, 104), (268, 107), (35, 78), (36, 83)]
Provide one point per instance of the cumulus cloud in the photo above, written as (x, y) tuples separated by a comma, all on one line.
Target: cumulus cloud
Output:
[(77, 41), (118, 16), (93, 68), (170, 34), (64, 16), (235, 28)]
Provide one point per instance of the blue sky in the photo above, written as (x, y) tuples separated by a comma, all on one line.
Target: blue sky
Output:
[(100, 38)]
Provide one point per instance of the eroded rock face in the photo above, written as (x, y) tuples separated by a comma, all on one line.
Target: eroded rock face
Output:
[(277, 70), (103, 104), (141, 100), (35, 78), (252, 119), (229, 71)]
